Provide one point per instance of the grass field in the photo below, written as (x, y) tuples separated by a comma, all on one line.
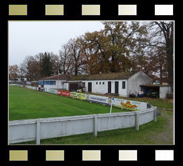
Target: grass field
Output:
[(30, 104)]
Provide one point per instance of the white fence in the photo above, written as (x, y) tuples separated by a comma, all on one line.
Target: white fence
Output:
[(32, 87), (36, 129)]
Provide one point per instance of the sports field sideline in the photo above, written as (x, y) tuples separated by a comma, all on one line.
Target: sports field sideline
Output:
[(30, 104)]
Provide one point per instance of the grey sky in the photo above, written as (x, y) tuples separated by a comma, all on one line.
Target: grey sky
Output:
[(32, 37)]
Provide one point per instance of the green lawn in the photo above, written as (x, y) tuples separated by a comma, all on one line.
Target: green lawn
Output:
[(30, 104)]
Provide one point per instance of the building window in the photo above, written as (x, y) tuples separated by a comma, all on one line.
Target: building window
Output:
[(52, 82), (97, 83), (103, 83), (47, 83), (123, 85), (40, 82)]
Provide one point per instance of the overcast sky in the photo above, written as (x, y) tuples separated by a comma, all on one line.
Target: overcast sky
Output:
[(28, 38)]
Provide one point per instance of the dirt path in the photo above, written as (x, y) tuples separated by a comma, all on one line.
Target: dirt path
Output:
[(165, 137)]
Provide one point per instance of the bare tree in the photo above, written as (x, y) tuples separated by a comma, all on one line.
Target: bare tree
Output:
[(13, 72), (56, 63), (65, 59), (161, 36), (31, 68), (75, 55)]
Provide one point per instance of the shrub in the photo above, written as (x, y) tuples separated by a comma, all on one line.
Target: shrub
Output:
[(169, 95)]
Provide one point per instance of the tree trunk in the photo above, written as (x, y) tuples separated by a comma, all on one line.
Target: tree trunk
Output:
[(170, 64), (113, 65), (76, 70), (167, 30), (161, 75)]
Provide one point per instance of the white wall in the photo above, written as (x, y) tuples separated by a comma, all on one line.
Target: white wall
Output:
[(58, 85), (133, 83), (97, 88), (163, 90), (66, 86), (136, 80), (112, 86), (103, 88), (123, 92)]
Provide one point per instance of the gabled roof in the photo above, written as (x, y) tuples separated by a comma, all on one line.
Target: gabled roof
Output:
[(105, 76), (56, 77), (154, 85)]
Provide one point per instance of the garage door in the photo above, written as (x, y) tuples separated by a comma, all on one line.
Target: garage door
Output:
[(73, 86)]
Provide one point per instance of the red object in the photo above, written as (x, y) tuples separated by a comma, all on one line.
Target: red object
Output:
[(63, 93), (128, 102)]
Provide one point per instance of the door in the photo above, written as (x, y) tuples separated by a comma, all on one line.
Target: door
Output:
[(116, 87), (89, 87), (109, 87), (73, 86)]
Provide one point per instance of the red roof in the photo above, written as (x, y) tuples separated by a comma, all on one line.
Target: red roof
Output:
[(155, 77)]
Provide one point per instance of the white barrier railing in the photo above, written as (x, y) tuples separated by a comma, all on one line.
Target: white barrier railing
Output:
[(31, 87), (36, 129)]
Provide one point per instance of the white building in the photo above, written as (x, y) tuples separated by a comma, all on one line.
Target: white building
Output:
[(54, 82), (122, 83)]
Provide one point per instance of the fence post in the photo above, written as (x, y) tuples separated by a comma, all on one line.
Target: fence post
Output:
[(137, 121), (95, 125), (38, 133), (155, 119)]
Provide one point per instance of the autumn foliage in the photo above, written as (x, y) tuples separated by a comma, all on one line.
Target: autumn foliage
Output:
[(119, 46)]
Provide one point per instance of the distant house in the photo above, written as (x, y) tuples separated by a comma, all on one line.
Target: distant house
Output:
[(122, 83), (54, 82), (158, 81)]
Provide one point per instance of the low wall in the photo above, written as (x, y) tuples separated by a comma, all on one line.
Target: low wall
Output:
[(116, 102), (32, 87), (36, 129)]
